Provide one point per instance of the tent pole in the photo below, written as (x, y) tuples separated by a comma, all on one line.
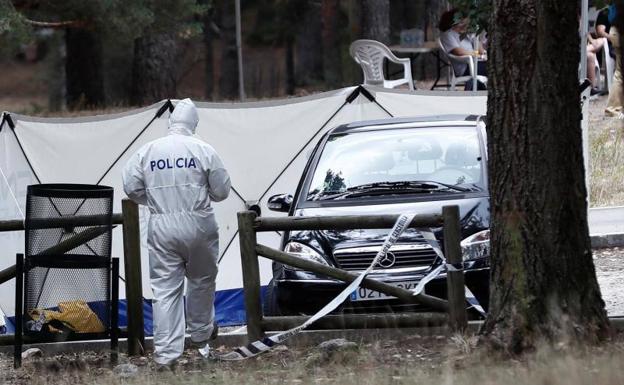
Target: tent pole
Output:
[(161, 110), (303, 148)]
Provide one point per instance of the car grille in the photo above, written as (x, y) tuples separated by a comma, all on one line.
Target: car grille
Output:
[(406, 256)]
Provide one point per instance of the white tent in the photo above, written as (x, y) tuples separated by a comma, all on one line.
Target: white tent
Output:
[(264, 145)]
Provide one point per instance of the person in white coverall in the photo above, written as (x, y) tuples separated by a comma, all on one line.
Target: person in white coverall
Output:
[(177, 177)]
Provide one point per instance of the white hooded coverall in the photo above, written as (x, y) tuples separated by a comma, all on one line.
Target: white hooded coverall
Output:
[(177, 176)]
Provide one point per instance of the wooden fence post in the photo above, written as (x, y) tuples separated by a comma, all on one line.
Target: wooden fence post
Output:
[(134, 286), (458, 321), (251, 274)]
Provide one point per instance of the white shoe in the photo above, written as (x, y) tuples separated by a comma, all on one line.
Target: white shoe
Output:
[(206, 352)]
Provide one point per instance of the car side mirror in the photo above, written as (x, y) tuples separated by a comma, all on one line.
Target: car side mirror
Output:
[(280, 202)]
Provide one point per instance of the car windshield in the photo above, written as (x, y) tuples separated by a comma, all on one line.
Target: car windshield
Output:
[(398, 161)]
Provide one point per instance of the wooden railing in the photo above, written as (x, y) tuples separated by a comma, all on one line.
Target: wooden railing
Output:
[(257, 323), (129, 219)]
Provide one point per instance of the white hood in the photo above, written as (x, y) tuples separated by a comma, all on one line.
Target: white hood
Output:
[(184, 118)]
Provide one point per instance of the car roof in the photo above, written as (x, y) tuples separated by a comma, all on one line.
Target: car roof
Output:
[(423, 121)]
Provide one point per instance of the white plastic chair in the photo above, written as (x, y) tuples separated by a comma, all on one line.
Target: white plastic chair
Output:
[(608, 63), (468, 59), (370, 55)]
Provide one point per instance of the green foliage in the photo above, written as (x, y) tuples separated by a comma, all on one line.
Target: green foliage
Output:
[(14, 31), (333, 181), (478, 11), (179, 16), (599, 4), (278, 21), (124, 18)]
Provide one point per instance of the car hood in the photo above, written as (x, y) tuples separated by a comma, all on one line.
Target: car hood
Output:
[(474, 217)]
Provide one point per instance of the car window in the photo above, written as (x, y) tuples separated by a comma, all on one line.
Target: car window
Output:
[(448, 155)]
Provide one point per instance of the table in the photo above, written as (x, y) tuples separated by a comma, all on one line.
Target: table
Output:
[(430, 47)]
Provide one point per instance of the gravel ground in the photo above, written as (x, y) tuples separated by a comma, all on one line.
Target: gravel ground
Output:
[(411, 360), (610, 273)]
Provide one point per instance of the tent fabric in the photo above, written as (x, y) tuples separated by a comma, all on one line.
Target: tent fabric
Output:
[(264, 146), (230, 305)]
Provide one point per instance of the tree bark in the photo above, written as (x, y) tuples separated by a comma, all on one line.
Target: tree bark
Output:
[(228, 69), (56, 72), (83, 69), (376, 20), (154, 69), (308, 51), (209, 35), (290, 66), (543, 282), (332, 65)]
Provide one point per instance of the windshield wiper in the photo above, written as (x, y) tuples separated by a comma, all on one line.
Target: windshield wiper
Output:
[(399, 187), (420, 184), (324, 194), (402, 187)]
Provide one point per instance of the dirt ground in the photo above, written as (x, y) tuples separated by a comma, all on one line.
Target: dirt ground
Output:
[(610, 272), (606, 156), (405, 360), (411, 360)]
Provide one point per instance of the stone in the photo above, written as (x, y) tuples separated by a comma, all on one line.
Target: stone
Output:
[(32, 353), (337, 344), (126, 370), (337, 351)]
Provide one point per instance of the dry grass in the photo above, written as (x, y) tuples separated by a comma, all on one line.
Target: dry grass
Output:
[(606, 138), (413, 360)]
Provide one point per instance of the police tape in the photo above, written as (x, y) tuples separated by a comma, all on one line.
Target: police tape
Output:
[(433, 242), (267, 343), (260, 346)]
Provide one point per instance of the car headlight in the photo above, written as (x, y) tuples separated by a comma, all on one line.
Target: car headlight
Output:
[(306, 252), (476, 246)]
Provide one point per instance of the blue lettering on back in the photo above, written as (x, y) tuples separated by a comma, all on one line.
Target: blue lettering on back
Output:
[(161, 164)]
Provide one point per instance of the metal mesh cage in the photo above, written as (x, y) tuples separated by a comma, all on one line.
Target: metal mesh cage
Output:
[(67, 266)]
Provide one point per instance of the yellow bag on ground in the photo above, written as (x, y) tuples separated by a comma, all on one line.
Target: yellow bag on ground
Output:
[(77, 315)]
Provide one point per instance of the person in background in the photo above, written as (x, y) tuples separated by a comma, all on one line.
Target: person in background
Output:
[(616, 99), (603, 26), (594, 46), (177, 177), (456, 40)]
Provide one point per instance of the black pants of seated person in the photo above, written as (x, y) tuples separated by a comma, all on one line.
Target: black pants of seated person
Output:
[(481, 70)]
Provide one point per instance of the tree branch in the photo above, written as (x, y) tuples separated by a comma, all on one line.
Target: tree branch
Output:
[(56, 24)]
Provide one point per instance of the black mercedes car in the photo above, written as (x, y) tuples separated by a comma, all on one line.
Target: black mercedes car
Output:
[(387, 166)]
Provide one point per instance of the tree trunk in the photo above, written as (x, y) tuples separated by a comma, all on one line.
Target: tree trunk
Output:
[(210, 34), (290, 66), (154, 69), (543, 282), (228, 69), (56, 72), (309, 50), (83, 69), (332, 65), (376, 20)]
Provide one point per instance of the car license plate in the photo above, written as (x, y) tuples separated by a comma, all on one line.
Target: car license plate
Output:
[(364, 294)]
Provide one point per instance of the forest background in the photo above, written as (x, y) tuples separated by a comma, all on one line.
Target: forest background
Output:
[(75, 55)]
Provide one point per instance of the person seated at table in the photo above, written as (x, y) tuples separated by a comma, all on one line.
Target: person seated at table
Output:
[(456, 40), (593, 48)]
